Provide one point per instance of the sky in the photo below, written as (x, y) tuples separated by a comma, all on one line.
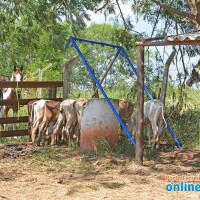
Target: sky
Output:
[(99, 18)]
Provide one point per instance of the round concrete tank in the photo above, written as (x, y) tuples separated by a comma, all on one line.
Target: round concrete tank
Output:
[(98, 123)]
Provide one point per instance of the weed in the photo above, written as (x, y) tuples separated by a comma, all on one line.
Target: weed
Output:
[(112, 185)]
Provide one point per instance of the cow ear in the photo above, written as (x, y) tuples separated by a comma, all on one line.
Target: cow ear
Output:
[(15, 68), (74, 104), (84, 104), (21, 68)]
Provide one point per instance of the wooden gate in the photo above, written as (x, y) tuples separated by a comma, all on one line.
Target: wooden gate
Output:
[(24, 119)]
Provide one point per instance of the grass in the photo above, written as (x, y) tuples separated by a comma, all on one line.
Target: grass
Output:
[(112, 185)]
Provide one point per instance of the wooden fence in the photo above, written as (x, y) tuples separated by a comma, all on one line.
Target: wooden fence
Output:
[(24, 119)]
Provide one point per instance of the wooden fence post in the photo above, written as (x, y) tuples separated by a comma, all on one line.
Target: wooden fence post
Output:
[(39, 90), (66, 75), (140, 106), (52, 92)]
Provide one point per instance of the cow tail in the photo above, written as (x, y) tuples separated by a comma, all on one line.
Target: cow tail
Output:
[(164, 119)]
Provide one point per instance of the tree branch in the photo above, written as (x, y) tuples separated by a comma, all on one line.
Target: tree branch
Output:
[(102, 7), (183, 14), (125, 24)]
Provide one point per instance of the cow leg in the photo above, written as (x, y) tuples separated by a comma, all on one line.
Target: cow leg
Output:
[(133, 133), (149, 133), (14, 115), (42, 131), (159, 133), (62, 135), (155, 134), (43, 137), (1, 113), (34, 130), (5, 114)]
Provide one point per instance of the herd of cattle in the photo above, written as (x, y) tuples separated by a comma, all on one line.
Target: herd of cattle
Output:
[(61, 121)]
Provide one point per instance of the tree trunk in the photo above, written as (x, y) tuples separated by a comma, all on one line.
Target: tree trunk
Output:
[(140, 106), (165, 77), (96, 94)]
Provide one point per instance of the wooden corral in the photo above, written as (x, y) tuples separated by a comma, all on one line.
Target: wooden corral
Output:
[(52, 85), (182, 39)]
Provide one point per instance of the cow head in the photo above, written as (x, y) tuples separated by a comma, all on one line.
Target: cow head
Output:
[(195, 75)]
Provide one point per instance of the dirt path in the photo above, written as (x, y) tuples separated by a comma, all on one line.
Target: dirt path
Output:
[(60, 173)]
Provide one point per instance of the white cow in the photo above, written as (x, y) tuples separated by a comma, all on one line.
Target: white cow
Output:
[(70, 118), (154, 114)]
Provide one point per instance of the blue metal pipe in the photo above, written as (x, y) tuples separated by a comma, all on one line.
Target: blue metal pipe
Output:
[(94, 42), (104, 94)]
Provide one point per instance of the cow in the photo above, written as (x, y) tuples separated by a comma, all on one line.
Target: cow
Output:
[(125, 108), (30, 117), (70, 118), (154, 115), (51, 114), (36, 114), (195, 75)]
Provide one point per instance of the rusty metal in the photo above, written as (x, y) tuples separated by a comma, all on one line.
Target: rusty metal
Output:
[(99, 125)]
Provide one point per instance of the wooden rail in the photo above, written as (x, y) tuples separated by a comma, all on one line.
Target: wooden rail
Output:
[(12, 133), (31, 84), (10, 120), (22, 101)]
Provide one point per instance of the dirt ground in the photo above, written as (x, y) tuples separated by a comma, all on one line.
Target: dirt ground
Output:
[(62, 173)]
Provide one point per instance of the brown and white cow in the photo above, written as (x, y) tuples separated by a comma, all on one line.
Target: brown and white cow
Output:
[(51, 114), (30, 118), (11, 94), (125, 108), (36, 114)]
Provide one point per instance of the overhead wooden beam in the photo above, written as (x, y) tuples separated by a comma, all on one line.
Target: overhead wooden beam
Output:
[(140, 106), (167, 43)]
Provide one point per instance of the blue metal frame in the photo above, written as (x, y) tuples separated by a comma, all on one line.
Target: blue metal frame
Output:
[(119, 48)]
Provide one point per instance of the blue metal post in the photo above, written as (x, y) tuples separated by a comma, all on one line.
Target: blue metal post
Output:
[(104, 94)]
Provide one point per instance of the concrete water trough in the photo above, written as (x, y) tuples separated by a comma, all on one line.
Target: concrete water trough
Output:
[(99, 125)]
